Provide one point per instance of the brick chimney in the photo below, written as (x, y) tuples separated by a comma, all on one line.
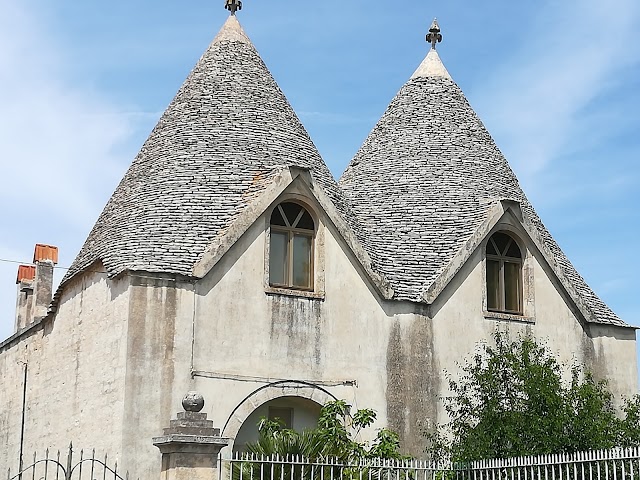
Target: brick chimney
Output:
[(35, 286), (45, 257), (25, 280)]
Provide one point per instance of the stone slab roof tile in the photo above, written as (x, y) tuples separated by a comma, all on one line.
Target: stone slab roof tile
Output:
[(216, 147), (423, 182)]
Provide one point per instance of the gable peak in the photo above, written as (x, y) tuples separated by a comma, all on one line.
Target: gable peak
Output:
[(231, 31), (431, 66)]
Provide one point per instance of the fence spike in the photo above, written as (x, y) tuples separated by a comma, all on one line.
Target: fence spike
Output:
[(80, 463), (58, 462), (46, 463)]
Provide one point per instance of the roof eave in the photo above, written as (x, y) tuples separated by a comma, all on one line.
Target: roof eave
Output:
[(496, 212)]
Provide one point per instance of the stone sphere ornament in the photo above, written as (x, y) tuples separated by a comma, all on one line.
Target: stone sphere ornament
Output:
[(193, 402)]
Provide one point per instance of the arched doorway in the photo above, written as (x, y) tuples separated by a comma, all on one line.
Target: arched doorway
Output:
[(298, 402), (295, 412)]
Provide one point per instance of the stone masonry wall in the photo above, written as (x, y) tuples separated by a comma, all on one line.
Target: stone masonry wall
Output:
[(75, 379)]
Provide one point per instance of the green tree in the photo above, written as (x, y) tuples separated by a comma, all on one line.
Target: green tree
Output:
[(511, 401), (629, 433)]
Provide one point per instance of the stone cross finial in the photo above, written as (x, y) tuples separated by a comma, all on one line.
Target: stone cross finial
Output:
[(434, 35), (233, 6)]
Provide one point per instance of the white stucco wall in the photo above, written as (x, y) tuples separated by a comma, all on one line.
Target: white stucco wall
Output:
[(241, 330)]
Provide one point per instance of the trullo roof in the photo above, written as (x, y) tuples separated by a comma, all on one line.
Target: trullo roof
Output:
[(425, 181), (216, 147)]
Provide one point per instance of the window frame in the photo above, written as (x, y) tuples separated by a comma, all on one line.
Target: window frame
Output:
[(292, 232), (503, 259)]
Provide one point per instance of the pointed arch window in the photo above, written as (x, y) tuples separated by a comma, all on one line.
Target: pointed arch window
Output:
[(291, 247), (504, 274)]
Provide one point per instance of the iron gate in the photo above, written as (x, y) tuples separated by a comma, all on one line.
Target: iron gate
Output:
[(56, 467)]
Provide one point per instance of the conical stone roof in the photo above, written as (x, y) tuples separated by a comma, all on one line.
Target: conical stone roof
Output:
[(424, 182), (223, 137)]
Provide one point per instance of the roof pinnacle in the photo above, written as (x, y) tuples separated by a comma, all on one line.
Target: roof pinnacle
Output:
[(233, 6), (434, 35)]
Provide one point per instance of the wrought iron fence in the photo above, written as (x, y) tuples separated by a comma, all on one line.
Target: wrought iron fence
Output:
[(616, 464), (253, 467), (56, 467)]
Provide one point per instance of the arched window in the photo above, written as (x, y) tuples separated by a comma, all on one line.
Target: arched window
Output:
[(291, 247), (504, 274)]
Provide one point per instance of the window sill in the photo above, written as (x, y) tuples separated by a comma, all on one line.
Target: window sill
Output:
[(508, 316), (294, 293)]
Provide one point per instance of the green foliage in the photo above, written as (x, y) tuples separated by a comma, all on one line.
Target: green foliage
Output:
[(511, 401), (335, 436), (591, 422), (629, 434), (274, 439)]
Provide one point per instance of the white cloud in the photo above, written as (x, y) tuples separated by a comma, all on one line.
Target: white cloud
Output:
[(57, 145), (572, 53), (54, 138)]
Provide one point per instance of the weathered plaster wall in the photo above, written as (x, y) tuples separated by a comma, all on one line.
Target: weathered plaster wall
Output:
[(459, 323), (413, 381), (158, 353), (241, 330), (395, 352), (614, 358), (75, 380)]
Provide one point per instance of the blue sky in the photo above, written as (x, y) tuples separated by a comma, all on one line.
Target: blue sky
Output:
[(557, 83)]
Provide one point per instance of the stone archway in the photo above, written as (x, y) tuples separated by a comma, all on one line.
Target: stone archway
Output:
[(283, 390)]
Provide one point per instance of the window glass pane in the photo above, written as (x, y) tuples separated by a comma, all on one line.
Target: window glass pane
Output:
[(278, 258), (302, 261), (493, 285), (514, 251), (306, 222), (291, 210), (276, 218), (501, 241), (512, 279)]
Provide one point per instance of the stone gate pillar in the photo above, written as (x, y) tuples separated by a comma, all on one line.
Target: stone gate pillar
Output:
[(190, 446)]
